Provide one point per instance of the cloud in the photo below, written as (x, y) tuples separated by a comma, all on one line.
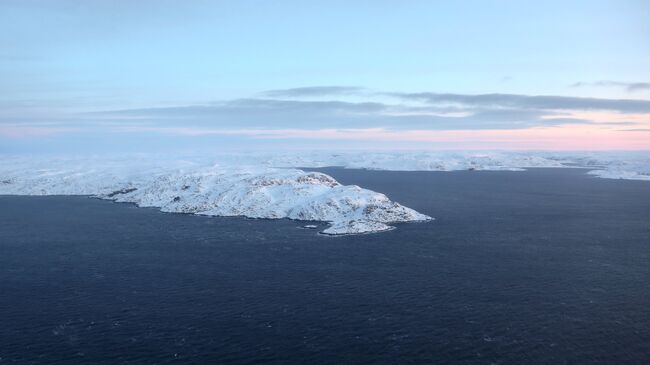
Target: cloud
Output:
[(628, 86), (538, 102), (257, 113), (409, 111), (314, 91), (283, 114)]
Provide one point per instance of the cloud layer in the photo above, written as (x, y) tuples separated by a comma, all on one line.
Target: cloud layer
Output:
[(402, 111), (353, 113), (531, 102), (314, 91), (628, 86)]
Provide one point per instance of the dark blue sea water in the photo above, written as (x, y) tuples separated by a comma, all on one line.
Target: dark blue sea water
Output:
[(536, 267)]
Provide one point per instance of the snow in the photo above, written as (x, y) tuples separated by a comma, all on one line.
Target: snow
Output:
[(269, 185), (621, 165), (613, 165), (181, 187)]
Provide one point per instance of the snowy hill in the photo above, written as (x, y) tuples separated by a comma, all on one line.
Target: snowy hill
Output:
[(218, 191)]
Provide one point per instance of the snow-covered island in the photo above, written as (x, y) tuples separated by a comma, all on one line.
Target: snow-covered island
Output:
[(218, 191)]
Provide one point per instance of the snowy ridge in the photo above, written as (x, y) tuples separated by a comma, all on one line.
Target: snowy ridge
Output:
[(421, 161), (627, 166), (613, 165), (216, 191)]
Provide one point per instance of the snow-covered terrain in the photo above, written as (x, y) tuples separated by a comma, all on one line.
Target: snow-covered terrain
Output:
[(264, 185), (613, 165), (616, 165), (182, 187), (627, 166)]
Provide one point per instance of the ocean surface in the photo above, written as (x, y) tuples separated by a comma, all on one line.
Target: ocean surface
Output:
[(547, 266)]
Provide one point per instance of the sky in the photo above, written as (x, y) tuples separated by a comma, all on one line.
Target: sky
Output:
[(119, 76)]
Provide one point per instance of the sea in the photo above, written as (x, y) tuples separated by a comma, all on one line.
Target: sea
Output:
[(545, 266)]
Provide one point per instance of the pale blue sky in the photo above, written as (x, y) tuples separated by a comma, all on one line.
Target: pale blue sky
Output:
[(59, 58)]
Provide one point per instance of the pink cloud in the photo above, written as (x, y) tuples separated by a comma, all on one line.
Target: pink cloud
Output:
[(559, 138)]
